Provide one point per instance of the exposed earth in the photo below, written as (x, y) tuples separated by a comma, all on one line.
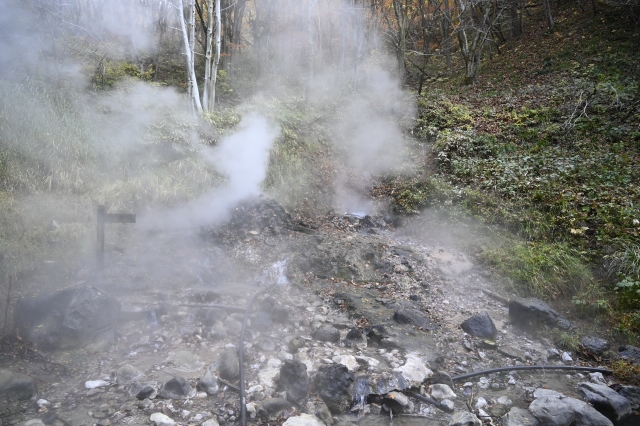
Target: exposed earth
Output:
[(352, 317)]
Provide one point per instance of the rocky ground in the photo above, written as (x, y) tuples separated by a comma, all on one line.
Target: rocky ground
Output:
[(352, 322)]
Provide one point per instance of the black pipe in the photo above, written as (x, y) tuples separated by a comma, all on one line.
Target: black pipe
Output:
[(531, 367), (243, 398), (428, 400)]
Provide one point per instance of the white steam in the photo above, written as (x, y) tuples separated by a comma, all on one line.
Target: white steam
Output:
[(243, 158)]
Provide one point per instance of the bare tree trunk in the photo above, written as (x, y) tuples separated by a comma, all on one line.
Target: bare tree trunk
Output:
[(401, 17), (192, 83), (547, 13), (446, 41), (207, 64)]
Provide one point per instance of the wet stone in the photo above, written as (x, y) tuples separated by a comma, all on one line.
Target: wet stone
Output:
[(480, 325), (327, 333), (595, 345), (413, 317), (323, 413)]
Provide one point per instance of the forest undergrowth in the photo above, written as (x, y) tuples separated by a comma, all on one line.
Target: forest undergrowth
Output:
[(544, 150)]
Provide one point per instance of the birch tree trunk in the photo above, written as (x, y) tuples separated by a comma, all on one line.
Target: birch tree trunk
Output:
[(207, 63), (192, 83), (401, 17)]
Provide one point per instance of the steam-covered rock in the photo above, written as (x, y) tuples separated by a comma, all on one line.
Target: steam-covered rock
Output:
[(228, 365), (71, 317), (209, 381), (552, 411), (127, 374), (177, 388), (295, 380), (303, 420), (464, 418), (160, 419), (519, 417), (271, 408), (16, 386)]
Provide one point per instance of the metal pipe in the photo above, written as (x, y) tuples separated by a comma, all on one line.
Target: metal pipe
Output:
[(531, 367), (243, 399)]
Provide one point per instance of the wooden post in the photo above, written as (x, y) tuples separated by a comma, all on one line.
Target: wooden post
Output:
[(100, 238), (102, 218)]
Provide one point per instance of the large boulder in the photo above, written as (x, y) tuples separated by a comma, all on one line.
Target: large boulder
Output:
[(71, 317), (519, 417), (552, 411), (529, 312), (595, 345), (295, 380), (607, 401)]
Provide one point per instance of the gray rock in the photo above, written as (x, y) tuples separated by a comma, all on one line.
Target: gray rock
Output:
[(442, 377), (323, 413), (209, 381), (177, 388), (480, 325), (127, 374), (266, 345), (303, 420), (295, 380), (542, 393), (630, 353), (597, 378), (270, 408), (534, 311), (160, 419), (552, 411), (296, 343), (440, 392), (519, 417), (464, 418), (261, 321), (397, 402), (327, 333), (218, 331), (334, 385), (71, 317), (586, 415), (511, 352), (355, 337), (447, 405), (16, 386), (144, 390), (212, 316), (228, 365), (413, 317), (595, 345), (607, 401), (632, 393)]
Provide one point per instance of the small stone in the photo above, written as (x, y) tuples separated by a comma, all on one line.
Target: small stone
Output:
[(209, 381), (480, 325), (327, 333), (440, 392), (270, 408), (519, 417), (303, 420), (323, 413), (464, 418), (414, 317), (511, 352), (566, 357), (597, 378), (348, 361), (127, 374), (295, 380), (447, 405), (210, 422), (546, 393), (504, 400), (160, 419), (296, 343), (228, 366), (92, 384), (177, 388)]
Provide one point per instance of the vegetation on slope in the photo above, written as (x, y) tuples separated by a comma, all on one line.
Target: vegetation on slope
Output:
[(547, 146)]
